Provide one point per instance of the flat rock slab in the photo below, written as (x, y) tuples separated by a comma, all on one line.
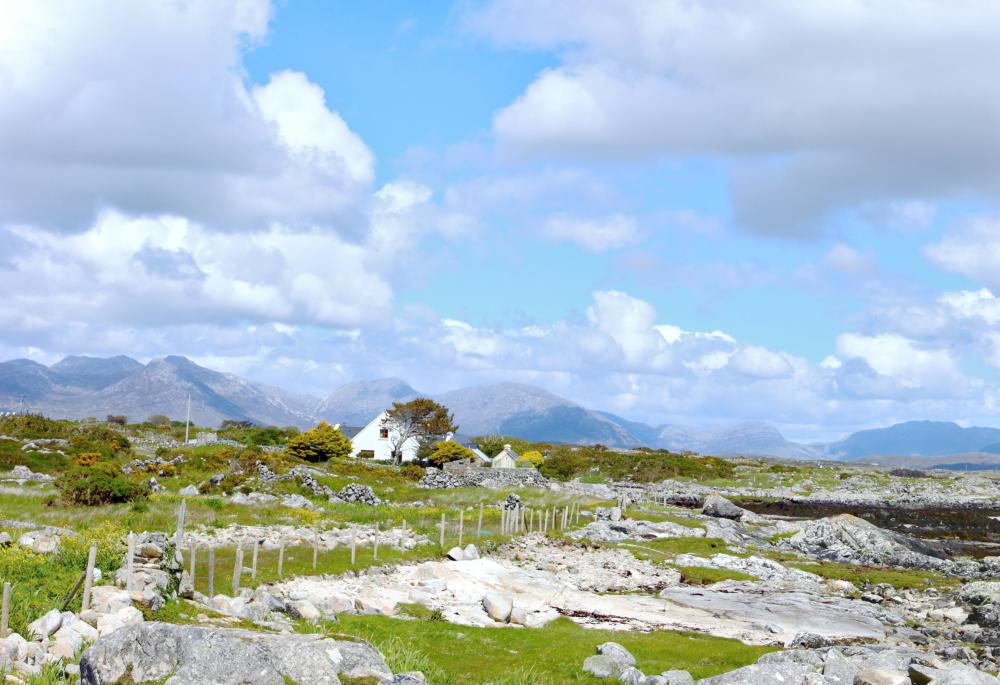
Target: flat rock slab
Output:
[(789, 611), (196, 655), (755, 614)]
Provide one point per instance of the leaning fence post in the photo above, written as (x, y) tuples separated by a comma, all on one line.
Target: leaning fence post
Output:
[(211, 572), (237, 570), (88, 582), (441, 537), (5, 610), (479, 527)]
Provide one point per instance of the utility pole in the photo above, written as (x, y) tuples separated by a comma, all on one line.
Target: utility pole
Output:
[(187, 422)]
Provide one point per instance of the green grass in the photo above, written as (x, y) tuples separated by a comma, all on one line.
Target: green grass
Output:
[(658, 549), (450, 654), (660, 517), (40, 582), (859, 575), (699, 575)]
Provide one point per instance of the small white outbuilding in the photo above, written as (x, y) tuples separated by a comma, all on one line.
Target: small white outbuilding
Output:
[(505, 459)]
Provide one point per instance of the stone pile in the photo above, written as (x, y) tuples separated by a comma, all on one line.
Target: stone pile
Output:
[(307, 479), (155, 465), (156, 571), (356, 493), (512, 503)]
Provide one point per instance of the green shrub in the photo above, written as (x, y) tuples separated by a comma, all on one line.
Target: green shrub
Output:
[(102, 483), (99, 438), (412, 472), (564, 465), (447, 451), (322, 443), (491, 445), (532, 459)]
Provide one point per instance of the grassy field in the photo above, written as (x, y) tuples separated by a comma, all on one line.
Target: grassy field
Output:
[(551, 655)]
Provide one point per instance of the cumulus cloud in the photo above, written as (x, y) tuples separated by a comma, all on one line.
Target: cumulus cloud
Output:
[(594, 234), (144, 108), (821, 106), (972, 248)]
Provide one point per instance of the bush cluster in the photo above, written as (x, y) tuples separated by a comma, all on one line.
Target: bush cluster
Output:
[(102, 483)]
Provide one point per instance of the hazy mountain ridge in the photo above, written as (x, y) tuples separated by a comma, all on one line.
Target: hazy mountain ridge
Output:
[(79, 387)]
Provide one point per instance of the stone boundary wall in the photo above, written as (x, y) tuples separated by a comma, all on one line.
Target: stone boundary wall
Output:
[(475, 476)]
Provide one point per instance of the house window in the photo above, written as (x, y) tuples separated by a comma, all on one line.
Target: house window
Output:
[(383, 433)]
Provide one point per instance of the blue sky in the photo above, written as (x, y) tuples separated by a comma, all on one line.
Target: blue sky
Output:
[(782, 212)]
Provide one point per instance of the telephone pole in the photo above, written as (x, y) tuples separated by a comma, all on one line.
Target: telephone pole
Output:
[(187, 422)]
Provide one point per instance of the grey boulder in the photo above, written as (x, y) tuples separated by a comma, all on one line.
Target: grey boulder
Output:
[(720, 507), (190, 655)]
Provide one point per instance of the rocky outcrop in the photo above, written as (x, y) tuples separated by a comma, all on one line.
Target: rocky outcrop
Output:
[(854, 666), (182, 655), (720, 507), (849, 539)]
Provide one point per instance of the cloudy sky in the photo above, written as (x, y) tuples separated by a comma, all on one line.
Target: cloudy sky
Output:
[(681, 211)]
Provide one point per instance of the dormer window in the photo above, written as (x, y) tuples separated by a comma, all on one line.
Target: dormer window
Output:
[(383, 433)]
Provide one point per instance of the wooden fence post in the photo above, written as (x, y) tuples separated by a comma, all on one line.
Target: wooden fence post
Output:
[(237, 571), (461, 524), (441, 537), (315, 548), (5, 611), (179, 535), (479, 527), (281, 558), (211, 572), (88, 582), (130, 575)]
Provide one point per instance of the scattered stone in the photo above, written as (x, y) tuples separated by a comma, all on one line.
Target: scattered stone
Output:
[(188, 491), (497, 607)]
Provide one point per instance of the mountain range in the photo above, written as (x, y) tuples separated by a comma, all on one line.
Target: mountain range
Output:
[(79, 387)]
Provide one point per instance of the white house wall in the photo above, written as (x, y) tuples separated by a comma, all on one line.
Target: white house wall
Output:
[(368, 439)]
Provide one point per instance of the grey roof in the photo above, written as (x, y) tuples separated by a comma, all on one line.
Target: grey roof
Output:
[(350, 431)]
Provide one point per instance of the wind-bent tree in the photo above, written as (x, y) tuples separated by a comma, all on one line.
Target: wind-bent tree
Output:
[(421, 419)]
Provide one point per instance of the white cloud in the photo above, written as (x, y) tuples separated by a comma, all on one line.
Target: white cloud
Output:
[(594, 234), (900, 359), (972, 249), (143, 108), (760, 362), (768, 81), (846, 259)]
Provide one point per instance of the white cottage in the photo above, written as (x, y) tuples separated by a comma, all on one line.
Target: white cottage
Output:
[(373, 442), (505, 459)]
